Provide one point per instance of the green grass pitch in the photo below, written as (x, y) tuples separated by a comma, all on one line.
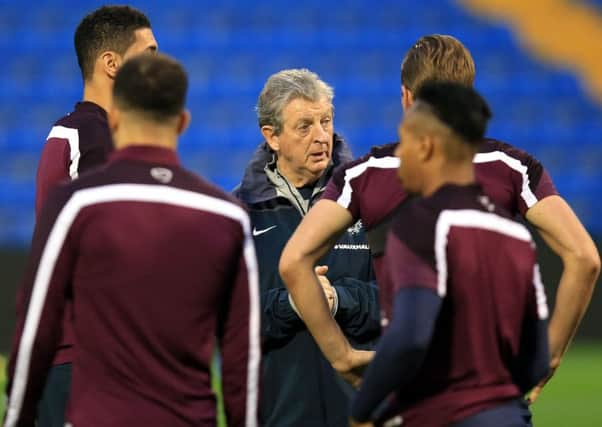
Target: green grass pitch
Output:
[(571, 399)]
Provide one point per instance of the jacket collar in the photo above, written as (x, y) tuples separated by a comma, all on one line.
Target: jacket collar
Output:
[(256, 187), (90, 107)]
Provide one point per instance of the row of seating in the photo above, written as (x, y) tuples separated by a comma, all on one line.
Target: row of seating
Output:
[(230, 47)]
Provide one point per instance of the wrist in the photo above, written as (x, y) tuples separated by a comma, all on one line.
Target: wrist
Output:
[(343, 362)]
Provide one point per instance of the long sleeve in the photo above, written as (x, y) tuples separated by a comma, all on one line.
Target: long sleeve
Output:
[(40, 306), (534, 357), (358, 314), (533, 361), (53, 168), (239, 341), (400, 351), (279, 322)]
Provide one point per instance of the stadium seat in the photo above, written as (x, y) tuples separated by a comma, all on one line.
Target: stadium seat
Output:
[(229, 49)]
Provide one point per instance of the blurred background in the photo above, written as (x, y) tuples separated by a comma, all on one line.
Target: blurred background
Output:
[(539, 64)]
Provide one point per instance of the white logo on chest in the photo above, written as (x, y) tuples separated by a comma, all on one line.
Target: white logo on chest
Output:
[(355, 228), (257, 232), (163, 175)]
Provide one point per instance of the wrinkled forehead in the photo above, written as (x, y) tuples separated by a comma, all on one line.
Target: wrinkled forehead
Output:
[(303, 107)]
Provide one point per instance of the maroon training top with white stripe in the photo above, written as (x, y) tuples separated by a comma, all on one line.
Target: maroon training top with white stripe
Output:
[(483, 265), (370, 189), (77, 143), (159, 263)]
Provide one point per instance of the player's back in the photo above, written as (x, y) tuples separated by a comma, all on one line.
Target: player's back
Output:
[(369, 187), (159, 254), (483, 266)]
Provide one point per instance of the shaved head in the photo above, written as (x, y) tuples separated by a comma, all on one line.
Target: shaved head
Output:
[(440, 134), (422, 122)]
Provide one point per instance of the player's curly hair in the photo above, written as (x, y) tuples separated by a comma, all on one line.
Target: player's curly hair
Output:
[(439, 58), (106, 28)]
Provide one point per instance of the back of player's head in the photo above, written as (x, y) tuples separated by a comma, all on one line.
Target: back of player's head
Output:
[(152, 85), (109, 28), (284, 86), (437, 57), (458, 107)]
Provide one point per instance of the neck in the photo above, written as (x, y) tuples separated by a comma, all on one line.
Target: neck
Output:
[(459, 174), (296, 178), (145, 133), (98, 91)]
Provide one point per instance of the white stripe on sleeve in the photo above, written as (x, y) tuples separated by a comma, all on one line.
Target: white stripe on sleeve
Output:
[(388, 162), (527, 195), (71, 135)]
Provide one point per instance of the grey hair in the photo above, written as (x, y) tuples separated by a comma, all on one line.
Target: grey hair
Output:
[(284, 86)]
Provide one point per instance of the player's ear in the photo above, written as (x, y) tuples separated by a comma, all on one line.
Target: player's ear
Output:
[(426, 148), (270, 137), (110, 63), (184, 121), (407, 99)]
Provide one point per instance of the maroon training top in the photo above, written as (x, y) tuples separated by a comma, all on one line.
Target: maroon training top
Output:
[(160, 264), (370, 189), (76, 143), (483, 265)]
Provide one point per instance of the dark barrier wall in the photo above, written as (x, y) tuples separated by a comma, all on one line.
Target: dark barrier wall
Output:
[(12, 264)]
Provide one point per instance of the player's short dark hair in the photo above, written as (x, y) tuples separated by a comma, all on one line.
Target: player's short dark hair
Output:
[(154, 85), (458, 106), (107, 28), (437, 57)]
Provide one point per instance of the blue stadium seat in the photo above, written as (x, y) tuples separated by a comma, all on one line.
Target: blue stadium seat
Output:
[(229, 49)]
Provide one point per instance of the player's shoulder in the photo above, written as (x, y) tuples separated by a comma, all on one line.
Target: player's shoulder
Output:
[(468, 206), (492, 149), (116, 179), (419, 216), (85, 122), (198, 184), (379, 153), (384, 150), (380, 156)]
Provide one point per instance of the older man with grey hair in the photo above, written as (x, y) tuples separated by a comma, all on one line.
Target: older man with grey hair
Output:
[(287, 174)]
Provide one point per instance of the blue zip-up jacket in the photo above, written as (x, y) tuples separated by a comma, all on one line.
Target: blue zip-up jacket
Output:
[(299, 386)]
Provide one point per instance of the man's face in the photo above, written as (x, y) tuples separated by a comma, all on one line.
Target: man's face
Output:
[(304, 145), (408, 151), (145, 42)]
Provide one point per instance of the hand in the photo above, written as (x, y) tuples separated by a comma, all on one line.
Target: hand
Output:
[(352, 371), (534, 394), (329, 291), (353, 423)]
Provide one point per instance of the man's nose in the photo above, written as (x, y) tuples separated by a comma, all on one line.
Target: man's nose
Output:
[(321, 135)]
